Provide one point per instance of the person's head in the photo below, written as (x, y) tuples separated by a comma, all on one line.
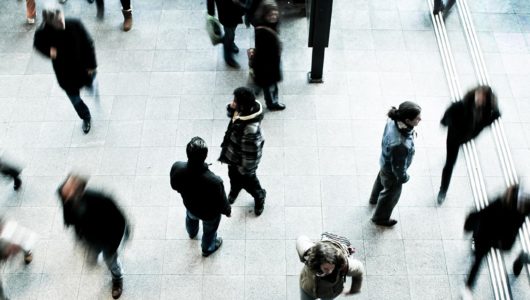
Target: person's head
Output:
[(73, 187), (268, 12), (244, 99), (197, 150), (323, 258), (53, 16), (484, 96), (408, 112)]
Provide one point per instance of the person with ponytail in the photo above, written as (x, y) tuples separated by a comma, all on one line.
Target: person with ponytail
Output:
[(396, 155)]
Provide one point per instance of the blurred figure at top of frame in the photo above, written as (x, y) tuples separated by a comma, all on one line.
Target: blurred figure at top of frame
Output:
[(397, 152), (13, 240), (464, 121), (125, 9), (98, 223), (497, 226), (440, 7), (230, 14), (266, 59), (203, 194), (71, 49)]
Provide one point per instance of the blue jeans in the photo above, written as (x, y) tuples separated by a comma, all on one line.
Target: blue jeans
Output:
[(209, 230)]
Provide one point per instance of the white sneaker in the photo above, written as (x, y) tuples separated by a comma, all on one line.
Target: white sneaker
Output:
[(31, 20), (467, 294)]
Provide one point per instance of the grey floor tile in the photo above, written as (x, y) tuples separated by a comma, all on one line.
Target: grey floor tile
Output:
[(124, 134), (429, 287), (345, 221), (189, 260), (223, 287), (128, 108), (149, 222), (302, 191), (231, 258), (59, 286), (340, 191), (22, 286), (118, 161), (270, 225), (336, 161), (301, 161), (419, 223), (181, 287), (387, 287), (265, 287), (265, 257), (425, 257), (385, 257), (144, 257), (303, 221)]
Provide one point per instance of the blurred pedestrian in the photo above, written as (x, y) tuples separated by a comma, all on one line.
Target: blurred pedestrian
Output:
[(98, 223), (497, 226), (203, 194), (464, 121), (440, 7), (396, 156), (71, 49), (31, 11), (327, 264), (13, 240), (242, 147), (125, 9), (266, 62), (9, 170), (230, 14)]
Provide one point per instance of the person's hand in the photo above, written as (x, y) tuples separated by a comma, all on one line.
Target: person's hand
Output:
[(53, 53)]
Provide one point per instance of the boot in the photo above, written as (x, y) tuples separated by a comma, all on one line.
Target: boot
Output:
[(127, 19), (117, 288)]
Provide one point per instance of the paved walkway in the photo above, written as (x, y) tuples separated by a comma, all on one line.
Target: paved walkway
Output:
[(163, 83)]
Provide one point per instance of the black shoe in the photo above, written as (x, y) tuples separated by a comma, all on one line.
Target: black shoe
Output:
[(117, 288), (232, 196), (218, 244), (441, 197), (235, 48), (276, 106), (259, 206), (232, 63), (372, 201), (17, 183), (386, 223), (517, 267), (192, 236), (86, 126), (438, 8)]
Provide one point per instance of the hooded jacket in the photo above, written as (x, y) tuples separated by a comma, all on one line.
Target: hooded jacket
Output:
[(75, 53), (202, 191), (397, 150), (460, 120), (243, 143)]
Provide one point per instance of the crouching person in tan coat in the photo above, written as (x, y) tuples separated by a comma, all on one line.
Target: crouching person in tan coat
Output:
[(327, 263)]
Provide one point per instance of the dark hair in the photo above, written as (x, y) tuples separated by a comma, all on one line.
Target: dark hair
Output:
[(491, 98), (244, 98), (51, 15), (407, 110), (263, 9), (197, 150), (323, 253)]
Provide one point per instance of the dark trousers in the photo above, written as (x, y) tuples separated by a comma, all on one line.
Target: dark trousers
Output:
[(452, 155), (480, 253), (79, 105), (228, 42), (9, 170), (125, 4), (450, 3), (270, 93), (385, 193), (249, 182), (209, 230)]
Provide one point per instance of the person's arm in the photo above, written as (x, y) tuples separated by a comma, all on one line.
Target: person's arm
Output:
[(41, 42), (398, 160), (226, 209), (303, 244), (210, 6), (356, 271), (88, 48)]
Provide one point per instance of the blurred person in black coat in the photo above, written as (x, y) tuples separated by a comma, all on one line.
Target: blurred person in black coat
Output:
[(71, 49), (203, 194), (98, 222), (464, 121), (497, 226), (266, 62), (230, 14)]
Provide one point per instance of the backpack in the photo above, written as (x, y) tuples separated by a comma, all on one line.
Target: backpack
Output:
[(343, 241)]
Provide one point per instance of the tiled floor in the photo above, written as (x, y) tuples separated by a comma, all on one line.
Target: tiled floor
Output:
[(163, 83)]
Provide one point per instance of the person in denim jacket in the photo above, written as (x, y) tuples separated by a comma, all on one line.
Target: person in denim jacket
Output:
[(397, 150)]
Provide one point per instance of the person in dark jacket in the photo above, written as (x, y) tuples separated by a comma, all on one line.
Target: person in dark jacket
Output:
[(397, 151), (98, 223), (268, 51), (203, 194), (71, 49), (230, 14), (464, 121), (242, 147), (9, 170), (497, 226)]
